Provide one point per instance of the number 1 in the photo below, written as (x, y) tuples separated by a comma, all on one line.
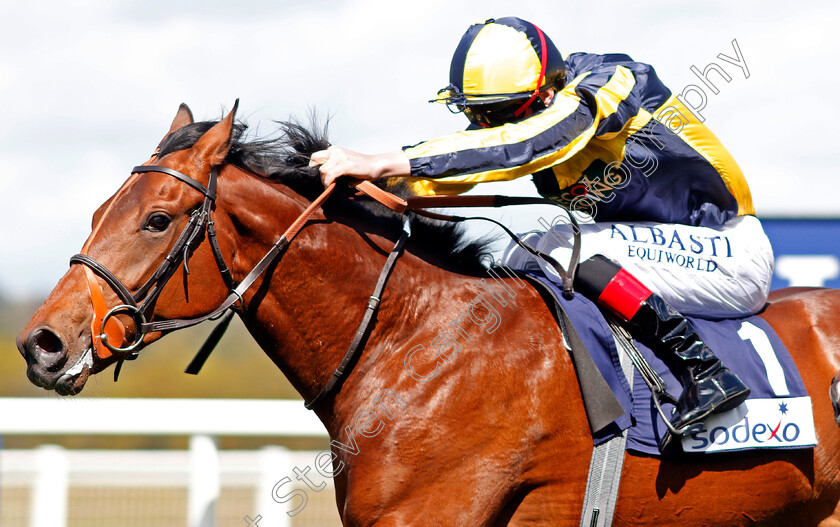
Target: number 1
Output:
[(775, 374)]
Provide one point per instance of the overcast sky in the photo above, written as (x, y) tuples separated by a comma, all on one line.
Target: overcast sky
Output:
[(89, 88)]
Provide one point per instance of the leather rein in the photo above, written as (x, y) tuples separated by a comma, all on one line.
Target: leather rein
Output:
[(109, 333)]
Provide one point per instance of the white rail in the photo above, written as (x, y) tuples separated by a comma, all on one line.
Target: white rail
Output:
[(216, 417), (201, 419)]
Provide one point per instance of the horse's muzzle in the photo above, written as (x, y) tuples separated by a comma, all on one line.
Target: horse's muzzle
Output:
[(47, 360)]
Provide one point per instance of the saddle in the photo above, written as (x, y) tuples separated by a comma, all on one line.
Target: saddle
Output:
[(778, 413)]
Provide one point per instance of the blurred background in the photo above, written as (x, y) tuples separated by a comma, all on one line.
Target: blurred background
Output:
[(90, 87)]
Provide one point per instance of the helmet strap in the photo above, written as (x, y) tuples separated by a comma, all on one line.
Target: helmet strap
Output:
[(543, 62)]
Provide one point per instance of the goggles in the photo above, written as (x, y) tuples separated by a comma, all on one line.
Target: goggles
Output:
[(457, 101), (485, 109)]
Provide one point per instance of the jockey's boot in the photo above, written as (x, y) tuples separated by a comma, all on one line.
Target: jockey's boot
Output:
[(709, 387)]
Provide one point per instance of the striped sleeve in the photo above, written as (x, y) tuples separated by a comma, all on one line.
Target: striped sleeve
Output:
[(594, 104)]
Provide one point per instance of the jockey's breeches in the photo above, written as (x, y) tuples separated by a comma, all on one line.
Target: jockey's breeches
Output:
[(701, 271)]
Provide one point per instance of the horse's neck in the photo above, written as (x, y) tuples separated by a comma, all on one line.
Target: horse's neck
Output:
[(318, 297), (306, 310)]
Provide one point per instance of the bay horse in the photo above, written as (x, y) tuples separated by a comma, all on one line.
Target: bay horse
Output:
[(458, 411)]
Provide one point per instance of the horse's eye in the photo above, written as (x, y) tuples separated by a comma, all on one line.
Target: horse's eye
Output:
[(158, 222)]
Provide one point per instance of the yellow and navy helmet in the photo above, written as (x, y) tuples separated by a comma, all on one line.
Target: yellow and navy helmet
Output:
[(499, 67)]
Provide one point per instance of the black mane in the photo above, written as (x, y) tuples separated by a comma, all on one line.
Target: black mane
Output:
[(285, 158)]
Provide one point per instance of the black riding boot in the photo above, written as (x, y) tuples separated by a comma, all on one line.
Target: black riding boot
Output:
[(708, 386)]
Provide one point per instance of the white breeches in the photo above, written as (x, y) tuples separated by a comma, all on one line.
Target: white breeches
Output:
[(701, 271)]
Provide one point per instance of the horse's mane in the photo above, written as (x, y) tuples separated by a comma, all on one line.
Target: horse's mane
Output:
[(285, 159)]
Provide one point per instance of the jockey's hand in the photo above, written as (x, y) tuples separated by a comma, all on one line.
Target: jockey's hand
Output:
[(335, 162)]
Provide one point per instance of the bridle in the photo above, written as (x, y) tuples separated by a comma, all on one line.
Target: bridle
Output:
[(106, 329), (108, 333), (138, 305)]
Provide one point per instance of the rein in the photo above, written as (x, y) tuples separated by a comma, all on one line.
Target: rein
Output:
[(418, 204), (109, 333)]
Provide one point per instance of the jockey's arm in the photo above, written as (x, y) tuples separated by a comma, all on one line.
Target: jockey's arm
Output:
[(336, 162), (462, 159), (455, 162)]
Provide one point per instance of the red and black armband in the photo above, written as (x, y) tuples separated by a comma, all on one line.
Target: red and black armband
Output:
[(609, 285)]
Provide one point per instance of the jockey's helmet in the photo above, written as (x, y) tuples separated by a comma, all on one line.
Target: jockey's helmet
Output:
[(499, 68)]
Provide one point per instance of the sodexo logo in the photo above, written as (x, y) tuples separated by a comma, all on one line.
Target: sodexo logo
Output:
[(760, 423)]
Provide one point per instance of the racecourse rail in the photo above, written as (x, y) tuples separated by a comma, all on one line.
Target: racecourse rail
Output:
[(203, 420)]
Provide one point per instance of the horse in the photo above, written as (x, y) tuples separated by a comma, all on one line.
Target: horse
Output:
[(458, 410)]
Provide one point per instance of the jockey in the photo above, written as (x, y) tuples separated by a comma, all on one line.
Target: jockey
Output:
[(674, 231)]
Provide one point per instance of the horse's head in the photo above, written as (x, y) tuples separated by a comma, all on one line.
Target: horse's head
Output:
[(168, 251), (148, 244)]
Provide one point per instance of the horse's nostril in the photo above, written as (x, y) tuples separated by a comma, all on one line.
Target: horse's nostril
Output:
[(48, 341)]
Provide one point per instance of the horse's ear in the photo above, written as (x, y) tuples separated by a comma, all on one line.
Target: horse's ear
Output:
[(213, 146), (182, 119)]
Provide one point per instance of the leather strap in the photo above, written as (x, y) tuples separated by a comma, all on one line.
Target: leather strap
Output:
[(103, 272), (567, 276), (392, 201), (276, 251), (211, 194), (224, 270), (418, 204), (114, 329), (187, 242), (361, 333), (209, 345), (604, 479)]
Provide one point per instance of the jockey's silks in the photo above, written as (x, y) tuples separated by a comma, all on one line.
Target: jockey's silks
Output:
[(615, 143)]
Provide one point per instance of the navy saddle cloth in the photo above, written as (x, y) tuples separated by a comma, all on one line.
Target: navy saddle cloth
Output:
[(777, 415)]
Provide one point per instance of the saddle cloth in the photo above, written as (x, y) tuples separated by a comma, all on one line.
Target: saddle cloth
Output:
[(777, 414)]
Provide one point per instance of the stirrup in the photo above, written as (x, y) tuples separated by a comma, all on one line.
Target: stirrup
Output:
[(670, 399), (669, 444)]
